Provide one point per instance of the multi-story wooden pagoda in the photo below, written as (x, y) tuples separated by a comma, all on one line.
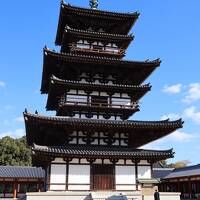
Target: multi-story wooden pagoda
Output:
[(90, 145)]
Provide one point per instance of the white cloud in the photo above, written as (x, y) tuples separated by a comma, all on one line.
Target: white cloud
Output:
[(181, 137), (173, 89), (171, 116), (193, 114), (175, 137), (15, 134), (153, 145), (19, 119), (2, 84), (193, 94)]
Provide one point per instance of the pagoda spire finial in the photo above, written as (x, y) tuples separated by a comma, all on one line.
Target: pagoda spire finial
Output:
[(94, 4)]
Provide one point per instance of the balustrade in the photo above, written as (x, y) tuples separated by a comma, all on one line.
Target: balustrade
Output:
[(97, 49), (80, 102)]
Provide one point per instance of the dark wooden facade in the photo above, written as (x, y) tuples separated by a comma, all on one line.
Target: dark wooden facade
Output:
[(184, 180), (16, 181)]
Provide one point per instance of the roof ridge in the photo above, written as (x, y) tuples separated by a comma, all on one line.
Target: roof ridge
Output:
[(103, 147), (19, 167), (47, 50), (67, 28), (54, 78), (92, 11), (178, 121)]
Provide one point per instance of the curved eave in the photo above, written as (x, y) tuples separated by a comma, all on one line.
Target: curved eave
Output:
[(66, 9), (44, 130), (96, 12), (58, 88), (103, 152), (165, 124), (52, 58), (71, 34)]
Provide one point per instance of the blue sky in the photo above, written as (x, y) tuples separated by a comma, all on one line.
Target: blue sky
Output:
[(168, 30)]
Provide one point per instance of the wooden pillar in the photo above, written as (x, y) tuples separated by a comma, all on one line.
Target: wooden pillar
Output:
[(39, 186), (136, 174), (15, 189), (190, 188), (178, 186)]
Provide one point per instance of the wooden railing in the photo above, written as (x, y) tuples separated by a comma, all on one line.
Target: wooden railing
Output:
[(99, 49), (98, 104)]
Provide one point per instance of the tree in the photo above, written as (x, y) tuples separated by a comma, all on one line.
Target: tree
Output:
[(14, 152), (179, 164)]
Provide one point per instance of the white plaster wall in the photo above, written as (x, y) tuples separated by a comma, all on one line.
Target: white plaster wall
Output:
[(81, 92), (94, 117), (123, 143), (104, 94), (125, 187), (84, 161), (107, 161), (120, 162), (79, 174), (58, 160), (76, 116), (95, 142), (144, 172), (58, 174), (95, 93), (125, 175), (144, 162), (98, 161), (116, 95), (58, 187), (83, 116), (125, 95), (116, 143), (79, 187), (75, 160), (80, 141), (129, 162), (118, 118), (83, 80), (72, 91), (112, 118), (102, 142), (74, 141)]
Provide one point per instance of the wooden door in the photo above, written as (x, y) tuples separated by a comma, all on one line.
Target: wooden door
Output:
[(103, 177)]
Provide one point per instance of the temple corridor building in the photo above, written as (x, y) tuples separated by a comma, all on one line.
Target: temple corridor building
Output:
[(91, 145)]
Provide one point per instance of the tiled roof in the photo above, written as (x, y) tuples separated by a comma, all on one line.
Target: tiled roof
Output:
[(38, 128), (96, 59), (165, 124), (130, 72), (99, 34), (21, 172), (161, 172), (98, 12), (102, 152), (71, 14), (55, 80), (184, 172)]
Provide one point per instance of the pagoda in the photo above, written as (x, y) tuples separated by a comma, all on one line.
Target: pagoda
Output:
[(91, 145)]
